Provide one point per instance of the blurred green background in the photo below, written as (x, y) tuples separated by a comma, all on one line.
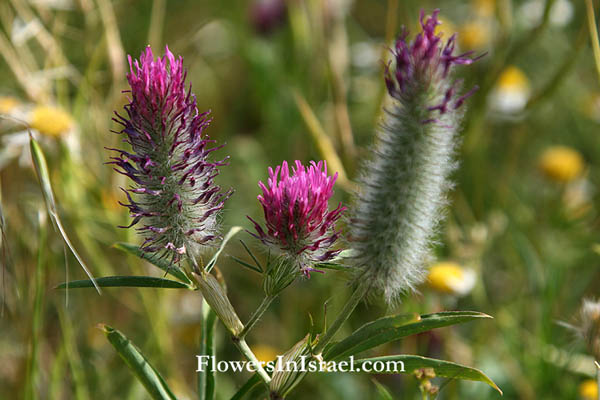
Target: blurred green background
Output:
[(299, 80)]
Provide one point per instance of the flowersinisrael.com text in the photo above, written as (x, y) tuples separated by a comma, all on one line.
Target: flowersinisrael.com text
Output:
[(304, 364)]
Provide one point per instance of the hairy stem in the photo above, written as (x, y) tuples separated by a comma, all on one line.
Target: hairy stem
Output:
[(355, 298), (266, 302)]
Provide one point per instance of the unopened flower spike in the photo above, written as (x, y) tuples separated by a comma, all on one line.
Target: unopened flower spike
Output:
[(173, 200), (403, 186), (298, 223)]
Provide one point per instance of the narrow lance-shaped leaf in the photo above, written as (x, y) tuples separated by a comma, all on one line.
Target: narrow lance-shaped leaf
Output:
[(161, 263), (41, 168), (411, 363), (245, 264), (126, 281), (389, 329), (148, 376), (367, 331)]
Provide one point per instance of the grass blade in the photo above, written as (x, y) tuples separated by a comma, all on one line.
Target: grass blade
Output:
[(232, 232), (442, 368), (157, 262), (382, 392), (137, 363), (591, 17), (41, 168), (38, 316), (79, 384), (389, 329), (125, 281)]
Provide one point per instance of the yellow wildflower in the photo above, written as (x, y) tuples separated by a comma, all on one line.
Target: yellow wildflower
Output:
[(51, 121), (511, 92), (474, 35), (264, 352), (7, 104), (449, 277), (588, 390), (513, 77), (561, 163)]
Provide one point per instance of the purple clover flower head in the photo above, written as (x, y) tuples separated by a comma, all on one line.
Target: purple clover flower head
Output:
[(173, 200), (427, 62), (405, 182), (299, 225)]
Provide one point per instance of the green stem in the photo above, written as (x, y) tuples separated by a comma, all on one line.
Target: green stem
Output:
[(561, 72), (266, 302), (206, 379), (245, 349), (593, 33), (38, 320), (349, 307)]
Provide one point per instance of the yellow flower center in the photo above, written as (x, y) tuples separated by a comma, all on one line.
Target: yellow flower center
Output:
[(451, 278), (51, 121), (512, 78), (474, 35), (561, 163), (588, 390)]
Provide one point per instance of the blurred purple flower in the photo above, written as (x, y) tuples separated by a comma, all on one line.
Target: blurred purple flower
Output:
[(267, 15), (427, 61), (299, 224), (173, 198)]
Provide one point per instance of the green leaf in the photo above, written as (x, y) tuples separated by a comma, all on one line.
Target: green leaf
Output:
[(41, 169), (232, 232), (137, 363), (333, 266), (126, 281), (157, 262), (364, 333), (249, 386), (389, 329), (245, 264), (252, 256), (206, 378), (442, 368)]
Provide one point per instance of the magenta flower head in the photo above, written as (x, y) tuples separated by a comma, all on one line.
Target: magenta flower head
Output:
[(405, 182), (298, 224), (422, 68), (173, 200)]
